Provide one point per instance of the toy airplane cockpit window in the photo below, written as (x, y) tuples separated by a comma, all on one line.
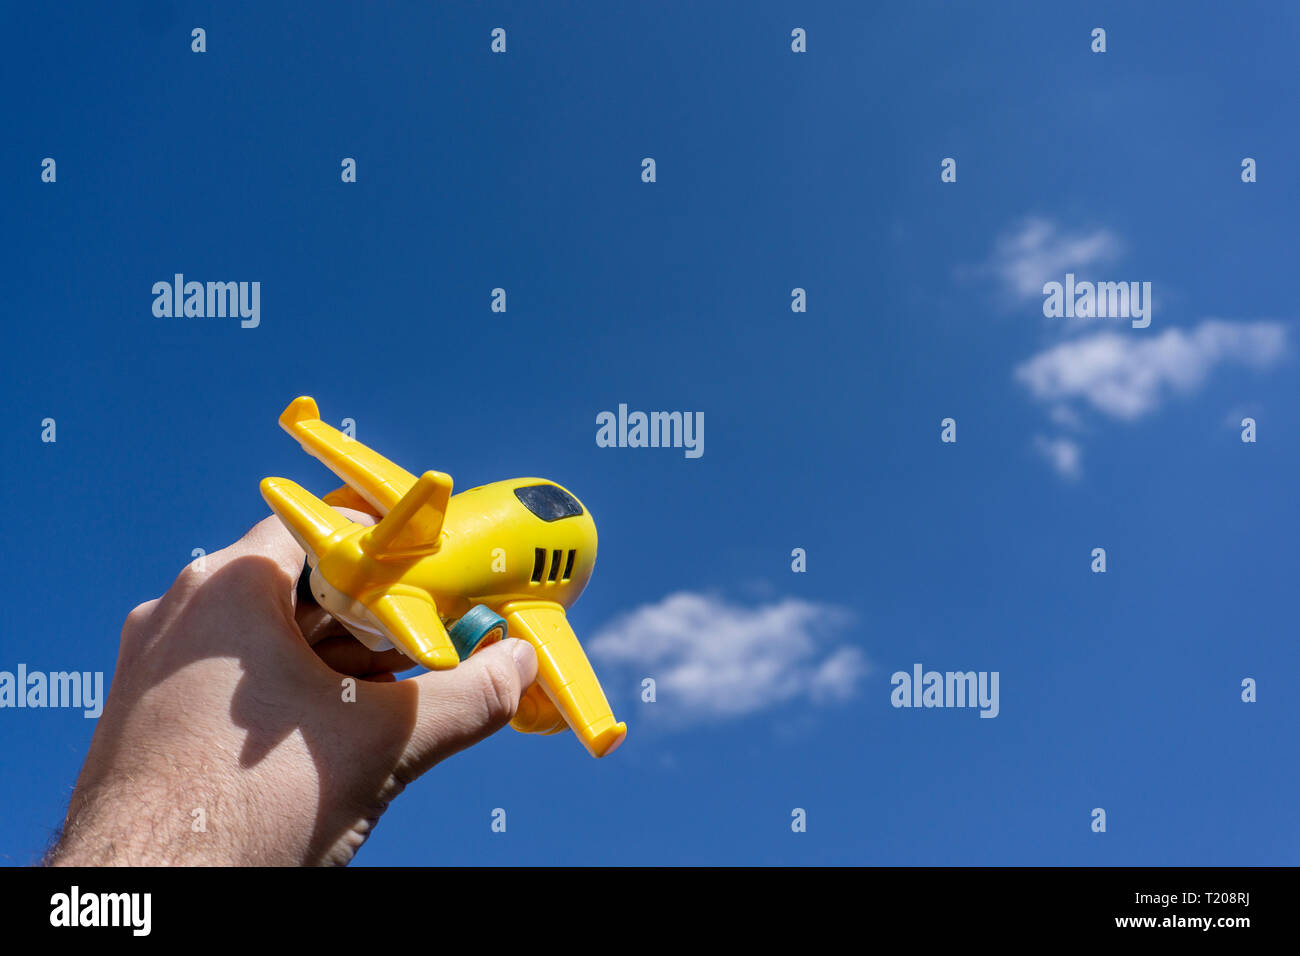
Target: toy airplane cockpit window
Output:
[(549, 502)]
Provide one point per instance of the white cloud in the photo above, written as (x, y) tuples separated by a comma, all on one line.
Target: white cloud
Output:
[(1064, 454), (1066, 417), (1040, 252), (1127, 376), (714, 659), (1251, 409), (1122, 375)]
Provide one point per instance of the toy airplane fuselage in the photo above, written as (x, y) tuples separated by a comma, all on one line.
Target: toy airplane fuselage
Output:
[(440, 576)]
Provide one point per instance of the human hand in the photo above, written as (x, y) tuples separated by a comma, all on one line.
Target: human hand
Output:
[(230, 706)]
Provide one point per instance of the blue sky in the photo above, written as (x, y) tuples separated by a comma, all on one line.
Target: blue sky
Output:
[(775, 170)]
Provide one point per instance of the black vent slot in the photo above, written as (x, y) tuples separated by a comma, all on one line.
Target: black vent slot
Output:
[(555, 565), (539, 564), (568, 565)]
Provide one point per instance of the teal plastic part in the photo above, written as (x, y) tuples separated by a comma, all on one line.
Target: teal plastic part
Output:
[(475, 628)]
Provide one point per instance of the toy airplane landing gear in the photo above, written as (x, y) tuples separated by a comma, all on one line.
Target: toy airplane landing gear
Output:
[(504, 558)]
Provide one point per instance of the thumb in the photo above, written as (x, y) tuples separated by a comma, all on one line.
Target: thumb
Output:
[(459, 707)]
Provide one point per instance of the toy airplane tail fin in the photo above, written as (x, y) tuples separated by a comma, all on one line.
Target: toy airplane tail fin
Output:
[(311, 521), (565, 674), (415, 522)]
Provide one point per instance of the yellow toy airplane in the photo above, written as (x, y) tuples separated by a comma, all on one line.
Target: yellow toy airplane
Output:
[(508, 557)]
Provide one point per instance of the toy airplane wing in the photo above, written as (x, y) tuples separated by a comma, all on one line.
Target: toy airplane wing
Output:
[(385, 486), (565, 674), (410, 620)]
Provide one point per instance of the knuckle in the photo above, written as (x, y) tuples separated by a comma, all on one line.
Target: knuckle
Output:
[(500, 695), (190, 578), (138, 619), (243, 574)]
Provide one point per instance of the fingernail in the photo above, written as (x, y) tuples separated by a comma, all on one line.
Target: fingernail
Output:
[(522, 652)]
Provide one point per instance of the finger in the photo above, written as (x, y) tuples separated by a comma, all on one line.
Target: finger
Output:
[(269, 538), (360, 517), (317, 624), (347, 655), (252, 576), (459, 707)]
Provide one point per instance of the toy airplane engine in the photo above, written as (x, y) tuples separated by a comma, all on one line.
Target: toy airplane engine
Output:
[(441, 576)]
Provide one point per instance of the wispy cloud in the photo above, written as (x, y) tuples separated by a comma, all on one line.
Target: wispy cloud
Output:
[(1128, 376), (1038, 251), (1065, 416), (1064, 454), (1122, 375), (713, 659)]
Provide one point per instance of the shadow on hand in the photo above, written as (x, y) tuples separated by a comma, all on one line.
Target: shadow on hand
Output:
[(284, 687)]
